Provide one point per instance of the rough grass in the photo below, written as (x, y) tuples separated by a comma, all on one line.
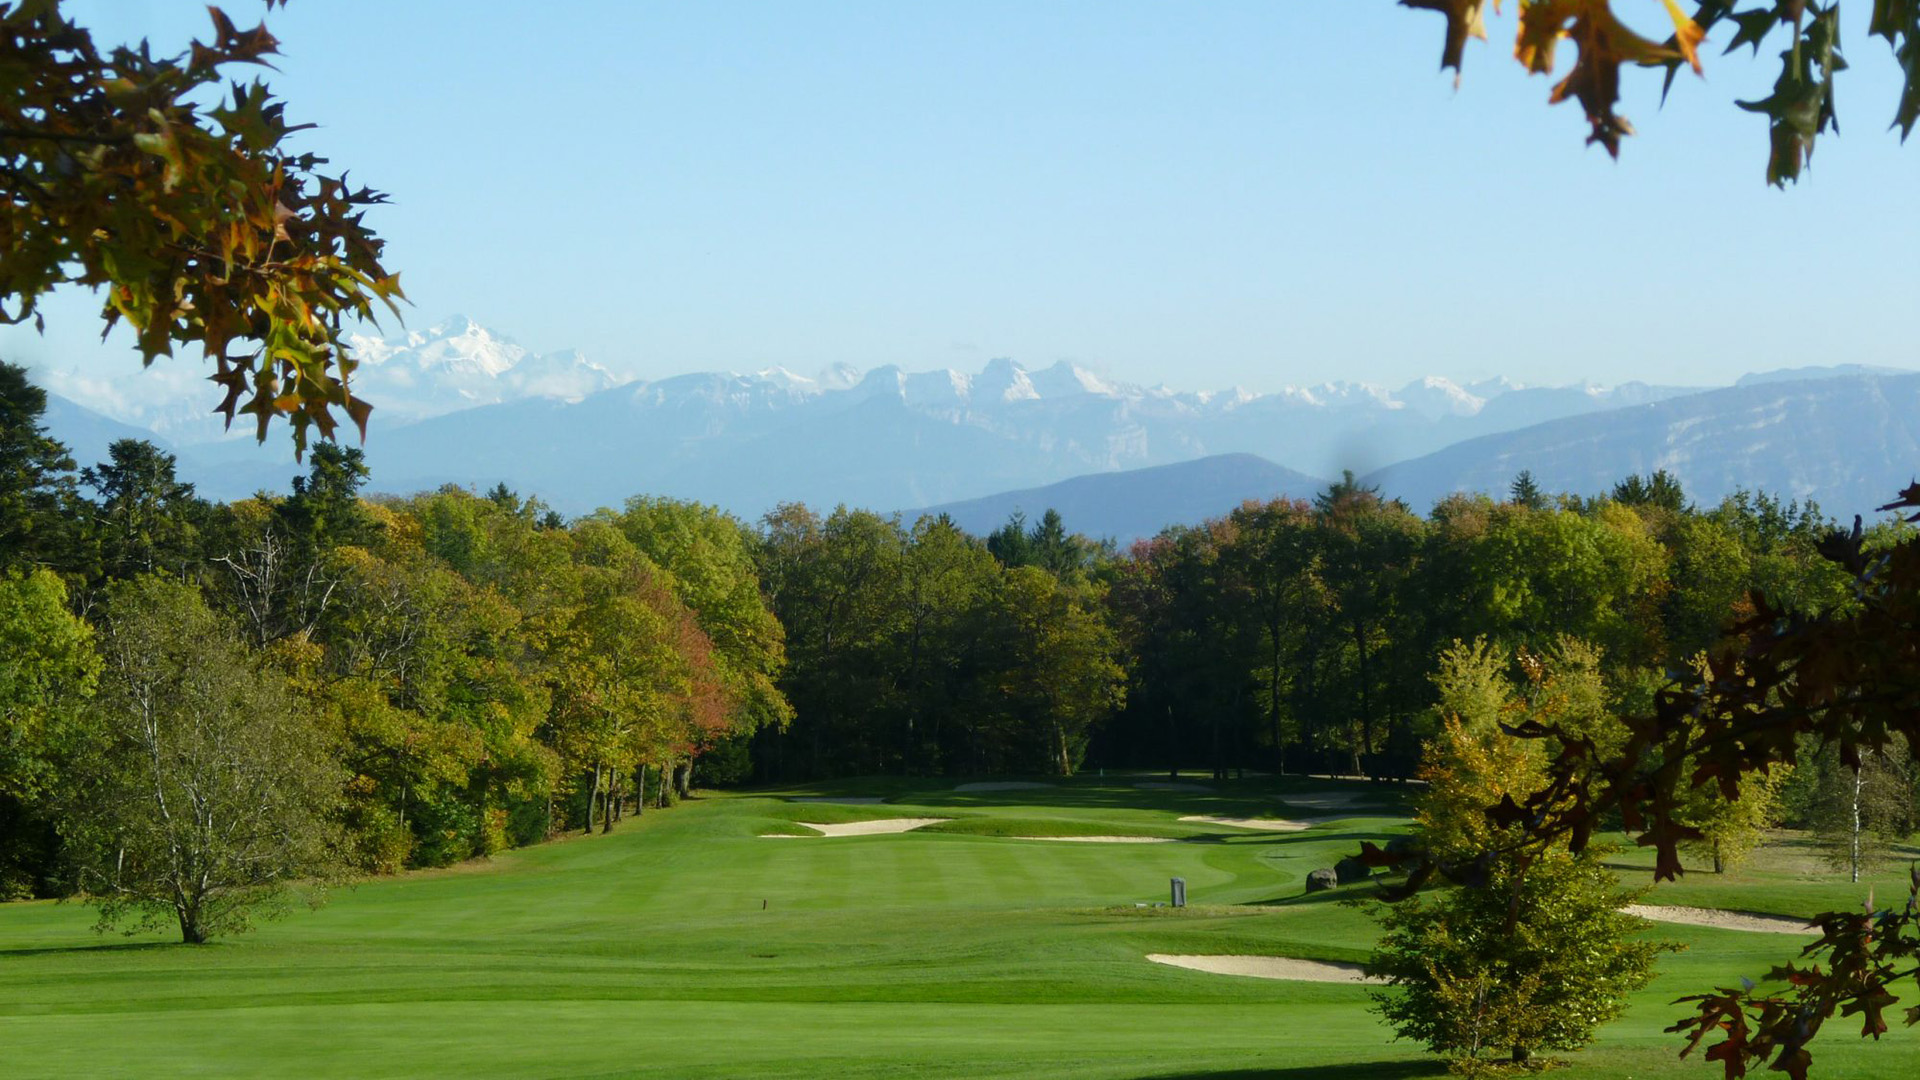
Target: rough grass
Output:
[(683, 945)]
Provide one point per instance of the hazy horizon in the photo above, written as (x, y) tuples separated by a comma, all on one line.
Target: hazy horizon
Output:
[(1236, 195)]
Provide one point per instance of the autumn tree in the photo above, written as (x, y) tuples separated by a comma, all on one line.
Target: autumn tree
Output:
[(709, 557), (1532, 952), (202, 795), (1842, 678), (1798, 110), (171, 190)]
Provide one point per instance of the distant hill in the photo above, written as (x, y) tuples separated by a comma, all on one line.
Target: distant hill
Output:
[(1136, 503), (87, 434), (1848, 442)]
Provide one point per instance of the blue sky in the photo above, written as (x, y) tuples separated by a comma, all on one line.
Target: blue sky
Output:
[(1205, 194)]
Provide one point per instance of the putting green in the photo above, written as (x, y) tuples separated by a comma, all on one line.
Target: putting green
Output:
[(685, 945)]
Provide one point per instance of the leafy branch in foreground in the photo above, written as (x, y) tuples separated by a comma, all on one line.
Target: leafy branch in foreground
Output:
[(1797, 111), (1847, 678), (198, 222)]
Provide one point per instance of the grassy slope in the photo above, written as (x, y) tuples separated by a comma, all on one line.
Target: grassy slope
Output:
[(924, 954)]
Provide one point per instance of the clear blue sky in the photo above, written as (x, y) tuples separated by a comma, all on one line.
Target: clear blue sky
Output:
[(1206, 193)]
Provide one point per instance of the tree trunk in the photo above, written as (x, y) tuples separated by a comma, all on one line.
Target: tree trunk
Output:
[(1521, 1055), (1719, 862), (683, 778), (1853, 850), (1060, 750), (1173, 746), (191, 932), (640, 789), (593, 796), (612, 800)]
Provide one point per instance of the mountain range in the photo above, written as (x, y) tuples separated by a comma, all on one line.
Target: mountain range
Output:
[(457, 403)]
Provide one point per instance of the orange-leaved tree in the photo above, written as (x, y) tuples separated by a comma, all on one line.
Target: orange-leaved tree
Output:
[(173, 192)]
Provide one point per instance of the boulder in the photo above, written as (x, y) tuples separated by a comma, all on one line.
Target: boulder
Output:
[(1350, 870), (1321, 880)]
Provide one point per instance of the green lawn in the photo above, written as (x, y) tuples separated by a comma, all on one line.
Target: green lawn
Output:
[(684, 945)]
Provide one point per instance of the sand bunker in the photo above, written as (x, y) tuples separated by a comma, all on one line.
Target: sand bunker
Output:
[(1268, 967), (869, 828), (1003, 785), (1346, 801), (850, 800), (1103, 839), (1163, 785), (1260, 824), (1724, 920)]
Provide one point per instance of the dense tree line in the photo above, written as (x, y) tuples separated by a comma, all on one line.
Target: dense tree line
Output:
[(202, 705), (464, 672)]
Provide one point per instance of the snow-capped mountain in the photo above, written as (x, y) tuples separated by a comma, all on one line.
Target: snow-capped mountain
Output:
[(894, 438), (459, 364), (408, 376), (459, 403)]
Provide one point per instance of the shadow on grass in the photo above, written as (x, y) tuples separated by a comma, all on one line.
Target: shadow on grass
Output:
[(101, 946), (1353, 1070), (1252, 796)]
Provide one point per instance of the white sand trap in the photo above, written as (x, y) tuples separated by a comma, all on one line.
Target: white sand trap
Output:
[(1259, 824), (1268, 967), (1724, 920), (872, 828), (1103, 839), (850, 800), (1003, 785), (1164, 785)]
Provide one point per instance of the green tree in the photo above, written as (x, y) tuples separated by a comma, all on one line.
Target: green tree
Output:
[(1730, 829), (1840, 678), (140, 176), (946, 578), (1271, 551), (203, 795), (1059, 675), (834, 583), (147, 520), (1858, 812), (1532, 951), (48, 671), (1533, 958), (1660, 490), (1525, 492), (1369, 550), (36, 479)]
